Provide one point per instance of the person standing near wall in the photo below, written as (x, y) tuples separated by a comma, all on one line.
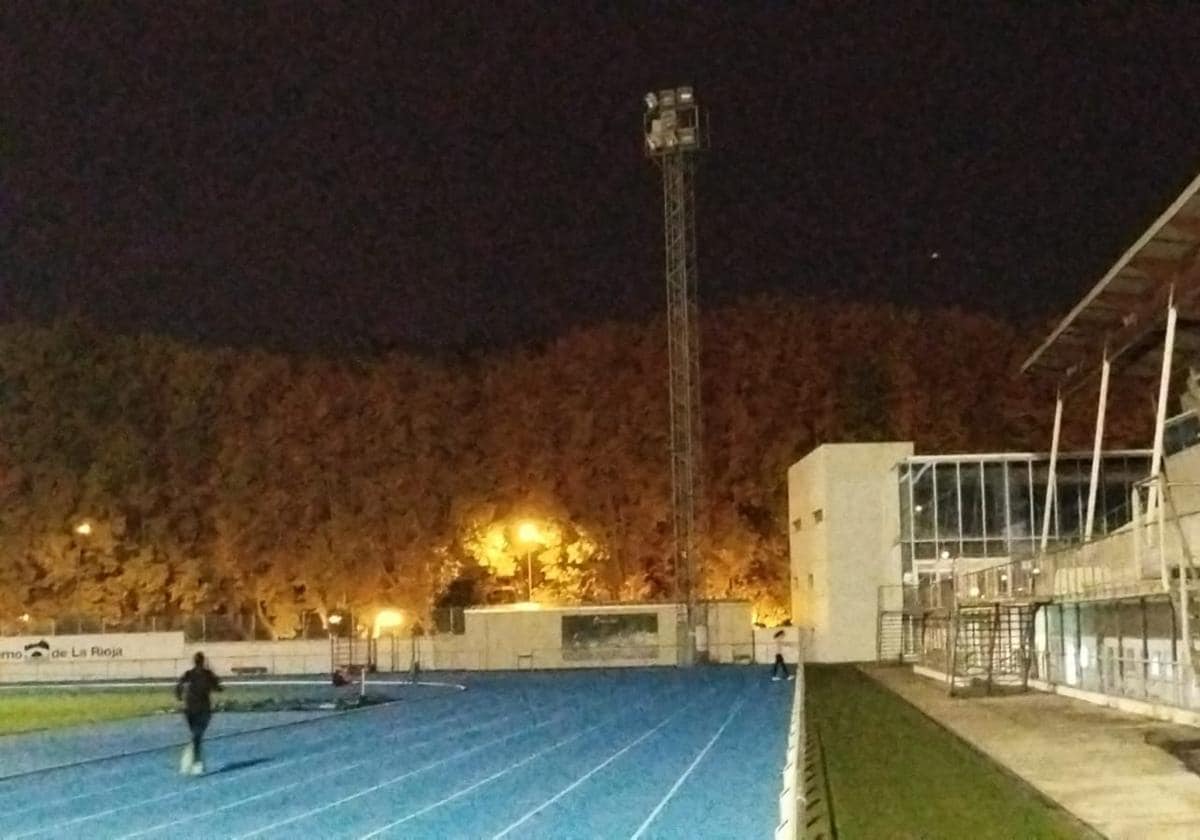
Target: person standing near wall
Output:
[(780, 664), (195, 689)]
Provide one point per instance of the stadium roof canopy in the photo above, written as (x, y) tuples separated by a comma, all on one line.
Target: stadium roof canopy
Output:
[(1125, 313)]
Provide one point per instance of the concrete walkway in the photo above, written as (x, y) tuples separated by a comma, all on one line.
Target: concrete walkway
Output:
[(1092, 761)]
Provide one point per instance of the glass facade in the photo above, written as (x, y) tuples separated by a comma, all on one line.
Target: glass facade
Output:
[(992, 505)]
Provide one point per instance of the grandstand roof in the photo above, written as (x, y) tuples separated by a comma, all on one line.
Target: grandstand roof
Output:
[(1126, 310)]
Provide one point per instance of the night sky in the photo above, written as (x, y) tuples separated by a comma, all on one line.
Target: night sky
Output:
[(317, 177)]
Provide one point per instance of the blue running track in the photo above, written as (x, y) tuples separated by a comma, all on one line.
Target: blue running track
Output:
[(652, 753)]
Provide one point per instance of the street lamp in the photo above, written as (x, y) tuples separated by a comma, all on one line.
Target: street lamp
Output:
[(530, 534), (83, 529)]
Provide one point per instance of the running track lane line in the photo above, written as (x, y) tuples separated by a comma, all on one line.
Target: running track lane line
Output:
[(274, 765), (332, 772), (403, 776), (464, 791), (163, 797), (539, 808), (679, 782)]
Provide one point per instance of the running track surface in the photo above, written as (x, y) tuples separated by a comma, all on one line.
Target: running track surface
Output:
[(582, 754)]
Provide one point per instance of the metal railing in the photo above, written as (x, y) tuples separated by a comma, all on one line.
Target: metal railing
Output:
[(1157, 679), (792, 795), (1141, 558)]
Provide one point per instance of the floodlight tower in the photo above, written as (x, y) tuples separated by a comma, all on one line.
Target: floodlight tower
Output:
[(674, 134)]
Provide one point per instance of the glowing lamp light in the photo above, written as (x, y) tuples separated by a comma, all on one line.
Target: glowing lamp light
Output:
[(974, 591), (529, 532), (387, 619), (84, 529), (23, 618), (335, 619)]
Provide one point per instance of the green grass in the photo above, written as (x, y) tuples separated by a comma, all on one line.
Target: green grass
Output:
[(893, 773), (31, 709)]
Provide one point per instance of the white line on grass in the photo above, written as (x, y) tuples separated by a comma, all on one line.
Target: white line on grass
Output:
[(679, 782), (538, 808)]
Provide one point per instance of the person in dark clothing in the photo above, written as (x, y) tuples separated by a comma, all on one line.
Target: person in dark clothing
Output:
[(780, 664), (195, 688)]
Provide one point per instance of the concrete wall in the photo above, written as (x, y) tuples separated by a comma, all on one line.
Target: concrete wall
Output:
[(764, 644), (496, 638), (730, 632), (503, 638), (844, 519)]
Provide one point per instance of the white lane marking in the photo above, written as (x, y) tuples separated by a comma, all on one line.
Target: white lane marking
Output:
[(464, 791), (387, 783), (172, 795), (538, 808), (410, 773), (339, 769), (679, 782), (274, 765)]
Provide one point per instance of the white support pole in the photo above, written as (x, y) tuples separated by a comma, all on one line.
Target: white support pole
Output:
[(1097, 444), (1053, 476), (1164, 384)]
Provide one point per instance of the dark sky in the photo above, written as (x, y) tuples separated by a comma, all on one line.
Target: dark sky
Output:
[(314, 176)]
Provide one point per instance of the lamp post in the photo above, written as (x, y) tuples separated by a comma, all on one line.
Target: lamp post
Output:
[(531, 535), (82, 529)]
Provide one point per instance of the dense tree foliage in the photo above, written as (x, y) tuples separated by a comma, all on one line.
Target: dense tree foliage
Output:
[(248, 483)]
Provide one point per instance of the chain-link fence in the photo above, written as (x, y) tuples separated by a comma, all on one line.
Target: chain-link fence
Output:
[(212, 627)]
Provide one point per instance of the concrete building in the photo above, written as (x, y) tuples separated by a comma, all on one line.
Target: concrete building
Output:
[(843, 514), (1075, 573)]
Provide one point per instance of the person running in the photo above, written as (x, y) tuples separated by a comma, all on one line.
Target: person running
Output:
[(195, 688), (779, 665)]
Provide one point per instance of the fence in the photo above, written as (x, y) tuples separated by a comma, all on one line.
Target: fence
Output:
[(211, 627), (793, 818), (1155, 679)]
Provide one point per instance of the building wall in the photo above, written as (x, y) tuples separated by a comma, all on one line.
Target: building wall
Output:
[(844, 517)]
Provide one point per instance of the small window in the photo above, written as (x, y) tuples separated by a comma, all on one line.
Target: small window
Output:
[(818, 516), (810, 581), (797, 524)]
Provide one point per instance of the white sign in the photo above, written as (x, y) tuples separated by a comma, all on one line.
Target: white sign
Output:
[(100, 647)]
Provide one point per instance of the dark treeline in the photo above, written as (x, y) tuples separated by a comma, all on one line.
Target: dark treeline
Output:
[(250, 483)]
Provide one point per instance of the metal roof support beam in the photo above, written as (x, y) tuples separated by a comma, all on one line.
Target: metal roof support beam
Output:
[(1182, 292), (1160, 420), (1052, 478), (1097, 444)]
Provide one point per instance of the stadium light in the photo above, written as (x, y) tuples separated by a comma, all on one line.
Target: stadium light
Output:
[(530, 534), (385, 619)]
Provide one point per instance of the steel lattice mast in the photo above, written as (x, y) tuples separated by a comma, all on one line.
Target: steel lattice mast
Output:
[(674, 134)]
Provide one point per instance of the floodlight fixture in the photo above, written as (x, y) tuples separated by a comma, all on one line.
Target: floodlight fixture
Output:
[(672, 122)]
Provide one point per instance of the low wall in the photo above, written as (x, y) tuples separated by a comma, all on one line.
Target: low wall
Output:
[(81, 657), (764, 644), (495, 639)]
